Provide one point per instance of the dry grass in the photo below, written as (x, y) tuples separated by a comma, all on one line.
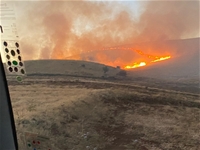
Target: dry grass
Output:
[(69, 67), (100, 116)]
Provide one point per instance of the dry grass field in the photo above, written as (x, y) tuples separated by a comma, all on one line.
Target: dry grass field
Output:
[(97, 114)]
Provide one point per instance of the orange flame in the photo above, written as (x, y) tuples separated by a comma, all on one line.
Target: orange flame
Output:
[(161, 58), (136, 65), (144, 63)]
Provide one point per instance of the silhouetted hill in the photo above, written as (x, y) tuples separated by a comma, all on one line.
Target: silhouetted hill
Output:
[(68, 67)]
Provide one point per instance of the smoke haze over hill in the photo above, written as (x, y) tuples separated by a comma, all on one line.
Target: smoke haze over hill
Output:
[(63, 29)]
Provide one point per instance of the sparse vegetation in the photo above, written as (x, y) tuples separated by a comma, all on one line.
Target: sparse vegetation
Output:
[(83, 65), (80, 115), (118, 67), (71, 68), (122, 73), (105, 69)]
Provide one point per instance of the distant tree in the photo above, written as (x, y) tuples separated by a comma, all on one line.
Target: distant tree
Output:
[(83, 65), (122, 73), (105, 69), (118, 67)]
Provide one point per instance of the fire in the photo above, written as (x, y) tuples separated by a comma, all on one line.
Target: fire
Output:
[(152, 59), (100, 55), (136, 65), (161, 58)]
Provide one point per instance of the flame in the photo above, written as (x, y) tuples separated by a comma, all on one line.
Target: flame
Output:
[(161, 58), (136, 65), (144, 63)]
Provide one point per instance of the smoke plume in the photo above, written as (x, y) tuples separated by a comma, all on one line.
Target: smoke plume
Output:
[(80, 29)]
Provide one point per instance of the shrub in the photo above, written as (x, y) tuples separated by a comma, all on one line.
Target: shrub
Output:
[(122, 73), (105, 69), (118, 67), (83, 65)]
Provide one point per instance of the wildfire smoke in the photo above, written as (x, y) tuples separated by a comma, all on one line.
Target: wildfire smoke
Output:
[(69, 29)]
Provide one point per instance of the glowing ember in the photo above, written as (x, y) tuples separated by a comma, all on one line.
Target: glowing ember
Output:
[(136, 65)]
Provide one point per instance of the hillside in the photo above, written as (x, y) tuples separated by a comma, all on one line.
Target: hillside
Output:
[(68, 67), (184, 63)]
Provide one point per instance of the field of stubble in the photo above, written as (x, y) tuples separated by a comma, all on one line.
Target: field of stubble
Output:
[(86, 114)]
